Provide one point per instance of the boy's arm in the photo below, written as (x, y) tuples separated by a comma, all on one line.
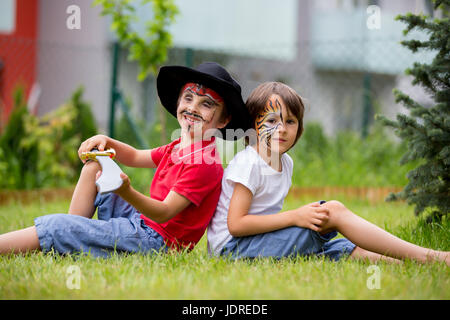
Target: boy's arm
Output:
[(158, 211), (125, 153), (241, 224), (132, 157)]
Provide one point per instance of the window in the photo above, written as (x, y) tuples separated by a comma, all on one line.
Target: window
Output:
[(7, 16)]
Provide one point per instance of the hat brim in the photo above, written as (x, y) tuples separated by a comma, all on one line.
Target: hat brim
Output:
[(171, 79)]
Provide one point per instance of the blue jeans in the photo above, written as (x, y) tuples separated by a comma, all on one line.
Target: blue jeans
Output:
[(119, 228), (288, 242)]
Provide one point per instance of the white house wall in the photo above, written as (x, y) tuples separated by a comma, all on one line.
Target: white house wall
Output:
[(69, 58)]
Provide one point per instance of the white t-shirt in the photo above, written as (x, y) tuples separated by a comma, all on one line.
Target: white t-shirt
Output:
[(269, 188)]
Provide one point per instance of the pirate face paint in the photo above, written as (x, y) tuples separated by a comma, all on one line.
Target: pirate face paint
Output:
[(276, 127), (199, 109), (201, 90)]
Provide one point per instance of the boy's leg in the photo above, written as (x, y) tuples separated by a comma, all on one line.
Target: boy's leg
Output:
[(372, 238), (83, 197), (285, 242), (362, 254), (19, 241), (72, 234)]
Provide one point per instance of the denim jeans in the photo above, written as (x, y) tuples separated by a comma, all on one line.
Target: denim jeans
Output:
[(288, 242), (119, 228)]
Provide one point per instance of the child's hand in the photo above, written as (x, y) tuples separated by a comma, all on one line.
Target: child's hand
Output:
[(312, 216), (99, 141), (125, 187)]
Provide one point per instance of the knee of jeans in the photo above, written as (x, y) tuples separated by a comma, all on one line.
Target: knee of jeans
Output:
[(101, 199)]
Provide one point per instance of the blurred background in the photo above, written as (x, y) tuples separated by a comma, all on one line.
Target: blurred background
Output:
[(342, 56)]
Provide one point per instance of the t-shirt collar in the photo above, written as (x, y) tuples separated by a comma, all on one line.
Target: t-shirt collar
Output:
[(194, 149)]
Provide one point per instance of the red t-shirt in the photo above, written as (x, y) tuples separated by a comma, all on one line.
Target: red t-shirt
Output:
[(194, 172)]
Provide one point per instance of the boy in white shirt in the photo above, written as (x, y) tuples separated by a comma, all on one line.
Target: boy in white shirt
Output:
[(248, 222)]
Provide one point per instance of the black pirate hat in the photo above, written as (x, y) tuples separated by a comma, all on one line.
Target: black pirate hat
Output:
[(171, 79)]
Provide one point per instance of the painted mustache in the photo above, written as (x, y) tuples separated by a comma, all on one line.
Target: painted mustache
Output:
[(190, 114)]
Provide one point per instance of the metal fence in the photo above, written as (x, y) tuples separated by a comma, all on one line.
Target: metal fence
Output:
[(343, 84)]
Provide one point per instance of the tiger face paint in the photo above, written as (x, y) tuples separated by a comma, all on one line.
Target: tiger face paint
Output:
[(276, 127), (268, 121)]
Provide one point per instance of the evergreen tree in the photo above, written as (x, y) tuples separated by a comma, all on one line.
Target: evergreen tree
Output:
[(427, 130)]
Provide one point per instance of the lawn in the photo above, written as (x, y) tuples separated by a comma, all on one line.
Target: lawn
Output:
[(197, 276)]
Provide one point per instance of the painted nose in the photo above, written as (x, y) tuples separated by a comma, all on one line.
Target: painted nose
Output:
[(281, 127)]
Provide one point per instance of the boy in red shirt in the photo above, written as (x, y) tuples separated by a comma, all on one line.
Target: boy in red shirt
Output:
[(184, 190)]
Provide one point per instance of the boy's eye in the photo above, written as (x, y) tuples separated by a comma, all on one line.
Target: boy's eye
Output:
[(272, 121)]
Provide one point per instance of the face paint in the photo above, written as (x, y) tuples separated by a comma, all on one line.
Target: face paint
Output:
[(264, 128), (193, 115), (197, 107), (201, 90)]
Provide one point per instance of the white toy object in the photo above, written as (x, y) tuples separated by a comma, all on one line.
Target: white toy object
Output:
[(110, 179)]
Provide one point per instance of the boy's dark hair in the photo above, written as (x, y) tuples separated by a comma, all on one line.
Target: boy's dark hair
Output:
[(257, 100)]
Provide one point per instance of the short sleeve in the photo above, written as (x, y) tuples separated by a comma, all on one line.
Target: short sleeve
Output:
[(245, 172), (289, 168), (290, 164), (158, 153), (196, 181)]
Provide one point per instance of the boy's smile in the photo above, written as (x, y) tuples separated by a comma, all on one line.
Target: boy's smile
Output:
[(192, 118)]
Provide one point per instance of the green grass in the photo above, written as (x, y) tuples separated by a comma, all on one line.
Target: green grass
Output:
[(197, 276)]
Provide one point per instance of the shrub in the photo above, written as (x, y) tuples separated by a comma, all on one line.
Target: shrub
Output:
[(347, 159), (18, 158), (426, 129), (42, 152)]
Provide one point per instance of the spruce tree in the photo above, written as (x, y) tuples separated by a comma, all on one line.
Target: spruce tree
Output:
[(426, 130)]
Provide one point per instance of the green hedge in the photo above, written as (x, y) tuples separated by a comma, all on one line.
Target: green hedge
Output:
[(42, 152), (38, 152), (347, 159)]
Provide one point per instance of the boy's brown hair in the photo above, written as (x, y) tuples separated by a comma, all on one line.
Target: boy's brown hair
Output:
[(257, 100)]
